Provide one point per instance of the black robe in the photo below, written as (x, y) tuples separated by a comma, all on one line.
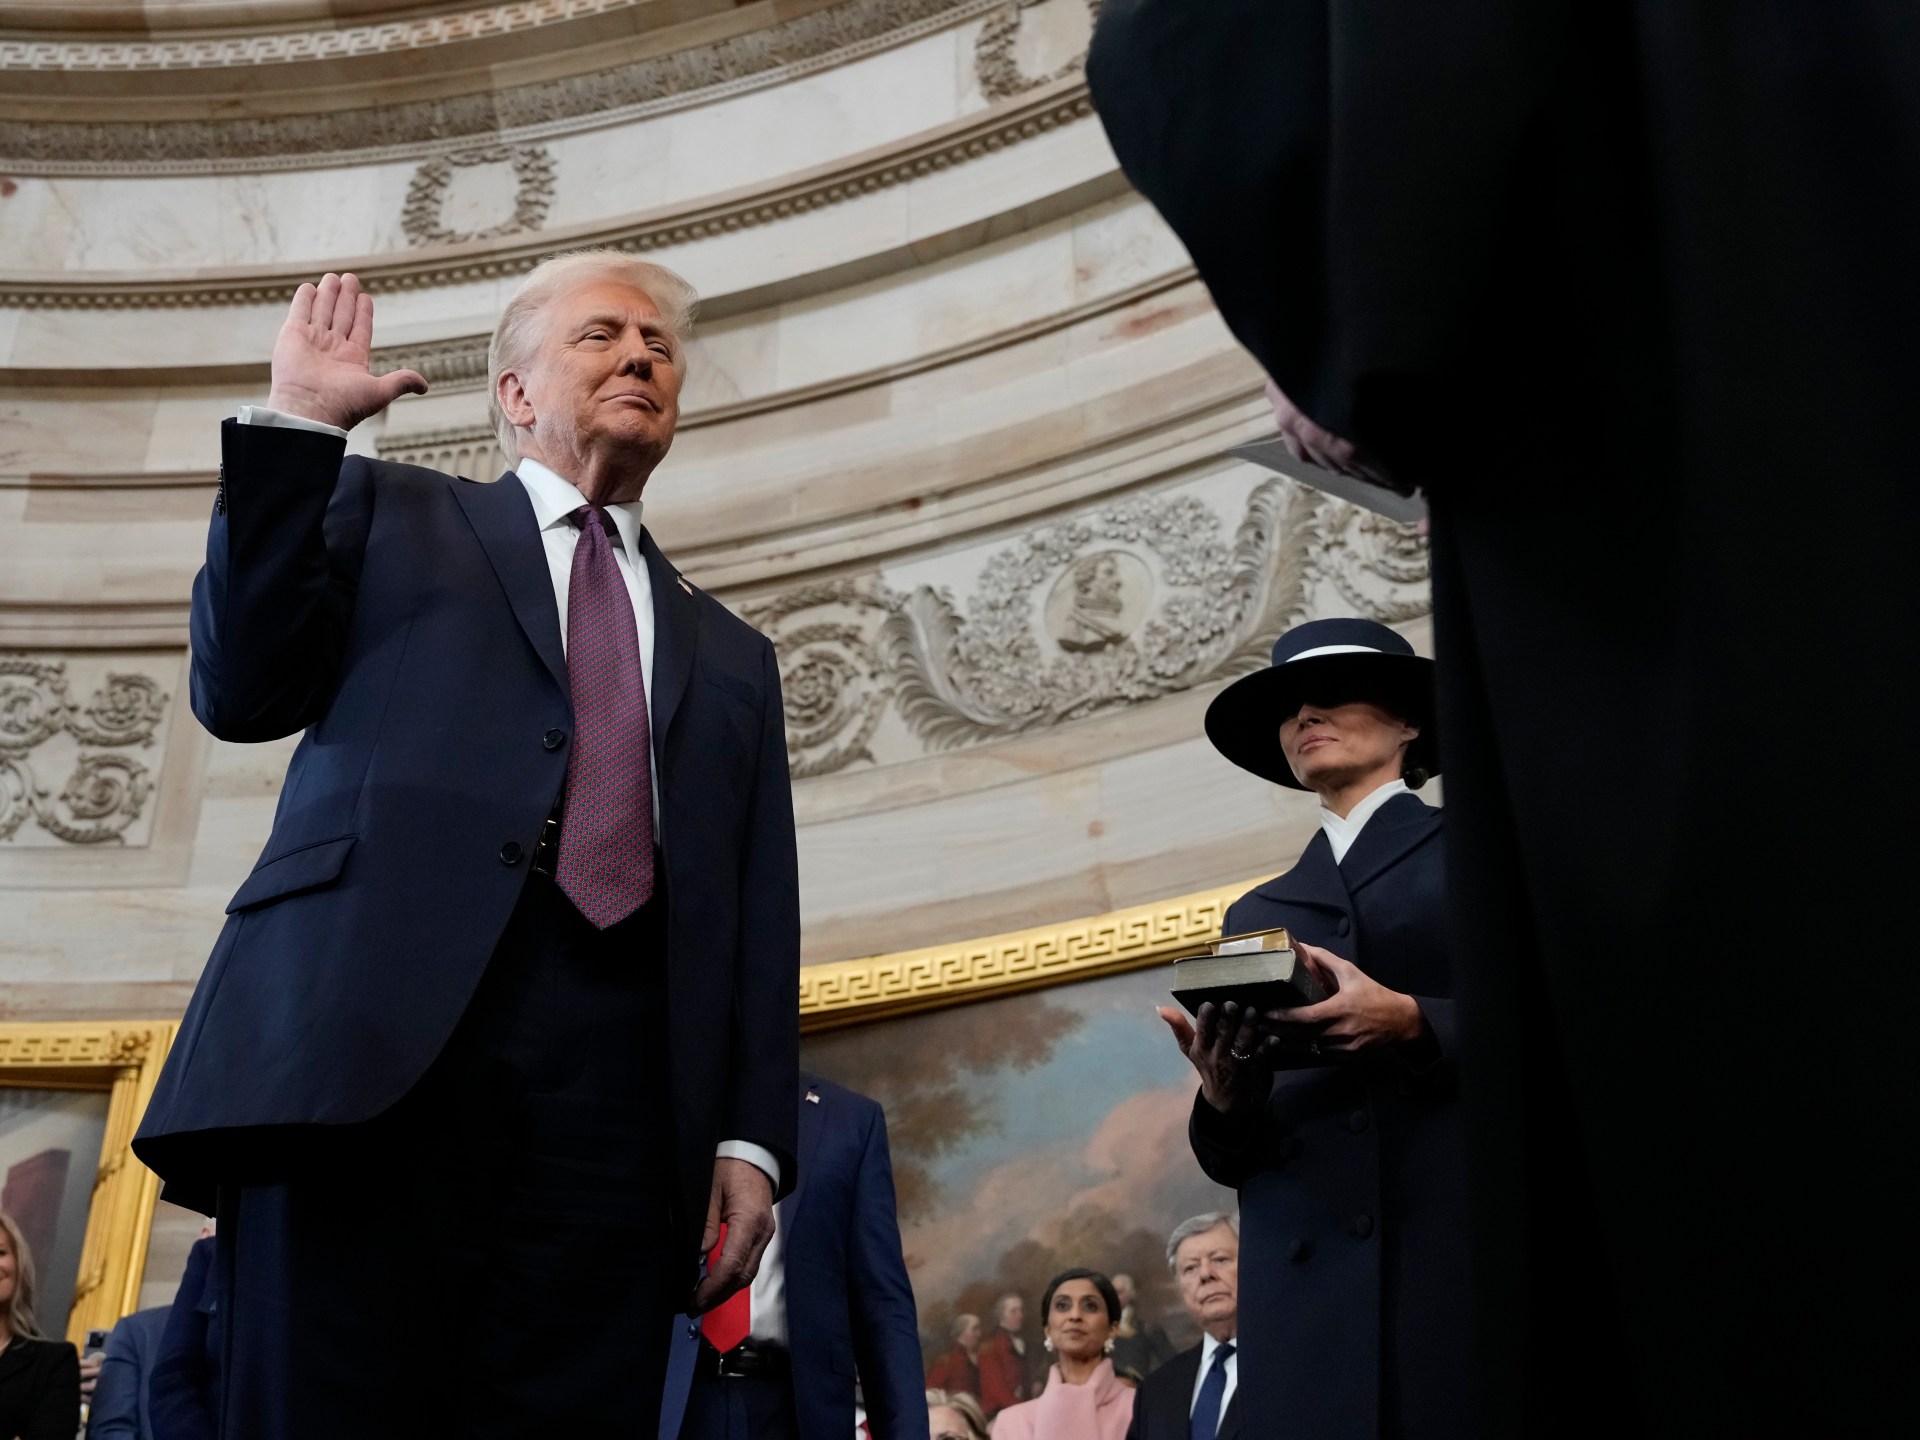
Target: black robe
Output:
[(1629, 288), (1355, 1314)]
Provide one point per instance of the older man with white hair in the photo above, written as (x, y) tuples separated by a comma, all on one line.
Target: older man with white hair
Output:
[(519, 961), (1192, 1396)]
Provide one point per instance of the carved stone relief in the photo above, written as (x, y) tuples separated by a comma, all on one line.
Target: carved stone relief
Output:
[(653, 85), (514, 182), (1144, 597), (1023, 32), (102, 746)]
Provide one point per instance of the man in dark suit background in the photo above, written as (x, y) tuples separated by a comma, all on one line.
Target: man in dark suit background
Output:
[(118, 1409), (1627, 288), (183, 1390), (1195, 1395), (831, 1301), (520, 958)]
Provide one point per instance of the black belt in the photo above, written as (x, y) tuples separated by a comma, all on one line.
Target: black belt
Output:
[(746, 1361)]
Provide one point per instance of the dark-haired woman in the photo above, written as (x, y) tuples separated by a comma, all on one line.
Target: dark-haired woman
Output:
[(1083, 1400), (1338, 1122)]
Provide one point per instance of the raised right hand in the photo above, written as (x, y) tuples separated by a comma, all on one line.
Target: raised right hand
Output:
[(320, 358), (1225, 1047)]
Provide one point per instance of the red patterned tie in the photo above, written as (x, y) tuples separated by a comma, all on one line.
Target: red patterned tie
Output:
[(606, 831)]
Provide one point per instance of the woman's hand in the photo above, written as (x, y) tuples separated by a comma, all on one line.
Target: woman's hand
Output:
[(1225, 1047), (1361, 1014)]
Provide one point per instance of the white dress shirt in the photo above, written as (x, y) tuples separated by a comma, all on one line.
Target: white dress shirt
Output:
[(767, 1302), (1207, 1346), (1342, 831), (554, 499)]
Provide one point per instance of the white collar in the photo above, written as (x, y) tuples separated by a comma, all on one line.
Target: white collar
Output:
[(1208, 1345), (555, 499), (1342, 831)]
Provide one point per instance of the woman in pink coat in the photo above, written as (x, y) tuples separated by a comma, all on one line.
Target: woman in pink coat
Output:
[(1083, 1399)]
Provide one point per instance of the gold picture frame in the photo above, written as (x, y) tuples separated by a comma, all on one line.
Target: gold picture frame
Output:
[(121, 1060), (852, 992)]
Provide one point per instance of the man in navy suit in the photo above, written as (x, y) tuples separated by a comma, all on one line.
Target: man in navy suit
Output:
[(831, 1302), (119, 1410), (520, 958), (1195, 1395)]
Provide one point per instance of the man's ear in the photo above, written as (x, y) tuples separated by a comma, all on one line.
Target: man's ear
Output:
[(511, 396)]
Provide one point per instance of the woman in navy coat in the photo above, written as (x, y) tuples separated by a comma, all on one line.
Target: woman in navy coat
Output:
[(1338, 1123)]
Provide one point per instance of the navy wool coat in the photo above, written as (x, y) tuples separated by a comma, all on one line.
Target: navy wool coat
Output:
[(405, 621), (1354, 1305)]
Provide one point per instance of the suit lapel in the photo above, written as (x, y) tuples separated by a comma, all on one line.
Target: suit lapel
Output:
[(1397, 827), (812, 1123), (1315, 880), (1230, 1418), (676, 630), (502, 519)]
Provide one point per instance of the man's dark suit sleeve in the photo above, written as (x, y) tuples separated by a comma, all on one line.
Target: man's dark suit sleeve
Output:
[(766, 1040), (886, 1325), (178, 1404), (272, 604), (115, 1411)]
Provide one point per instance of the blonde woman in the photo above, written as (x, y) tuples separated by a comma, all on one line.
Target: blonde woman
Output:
[(39, 1378), (955, 1415)]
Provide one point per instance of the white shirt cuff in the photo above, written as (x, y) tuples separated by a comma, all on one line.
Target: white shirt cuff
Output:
[(757, 1156), (261, 415)]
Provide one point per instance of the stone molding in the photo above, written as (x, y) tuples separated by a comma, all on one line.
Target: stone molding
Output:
[(409, 129), (1047, 109), (286, 46)]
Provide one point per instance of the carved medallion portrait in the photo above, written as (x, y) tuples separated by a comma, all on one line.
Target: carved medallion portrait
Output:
[(1099, 601)]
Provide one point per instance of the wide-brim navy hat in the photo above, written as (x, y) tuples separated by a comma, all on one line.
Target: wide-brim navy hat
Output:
[(1324, 662)]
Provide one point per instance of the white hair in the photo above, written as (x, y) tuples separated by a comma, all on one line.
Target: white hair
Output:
[(1198, 1225), (517, 335)]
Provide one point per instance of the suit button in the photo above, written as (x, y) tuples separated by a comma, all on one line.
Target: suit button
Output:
[(1345, 926), (554, 739), (510, 853), (1362, 1226), (1357, 1121), (1300, 1251)]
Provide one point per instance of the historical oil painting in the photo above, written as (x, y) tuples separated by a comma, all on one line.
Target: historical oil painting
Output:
[(1031, 1133), (49, 1157)]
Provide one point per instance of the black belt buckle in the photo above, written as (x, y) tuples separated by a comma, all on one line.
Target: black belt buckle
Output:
[(546, 854), (746, 1361)]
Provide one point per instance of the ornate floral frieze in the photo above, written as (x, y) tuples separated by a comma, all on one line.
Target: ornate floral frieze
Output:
[(45, 731), (423, 217), (996, 132), (1144, 597), (520, 113), (996, 59)]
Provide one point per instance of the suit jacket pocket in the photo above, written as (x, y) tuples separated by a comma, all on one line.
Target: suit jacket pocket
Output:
[(308, 868)]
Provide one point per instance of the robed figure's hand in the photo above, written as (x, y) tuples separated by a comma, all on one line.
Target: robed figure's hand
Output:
[(320, 358)]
